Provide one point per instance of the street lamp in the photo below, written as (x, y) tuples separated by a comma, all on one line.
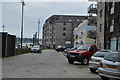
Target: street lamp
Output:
[(38, 30), (3, 27), (22, 22)]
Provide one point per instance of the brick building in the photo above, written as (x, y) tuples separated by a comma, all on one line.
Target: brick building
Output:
[(112, 25), (58, 30)]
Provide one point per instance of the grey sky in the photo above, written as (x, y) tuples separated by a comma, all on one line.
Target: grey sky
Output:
[(11, 14)]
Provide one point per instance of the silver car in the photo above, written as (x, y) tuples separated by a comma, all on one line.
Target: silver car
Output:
[(110, 66), (36, 49), (95, 60)]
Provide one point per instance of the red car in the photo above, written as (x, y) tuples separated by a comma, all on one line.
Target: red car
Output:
[(82, 54)]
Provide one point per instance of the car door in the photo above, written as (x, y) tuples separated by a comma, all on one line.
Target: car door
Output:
[(92, 50)]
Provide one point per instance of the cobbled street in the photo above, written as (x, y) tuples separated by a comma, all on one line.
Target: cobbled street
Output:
[(48, 64)]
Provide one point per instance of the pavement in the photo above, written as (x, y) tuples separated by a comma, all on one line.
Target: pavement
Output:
[(48, 64)]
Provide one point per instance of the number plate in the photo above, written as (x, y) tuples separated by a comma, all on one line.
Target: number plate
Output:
[(97, 61), (72, 56), (111, 66)]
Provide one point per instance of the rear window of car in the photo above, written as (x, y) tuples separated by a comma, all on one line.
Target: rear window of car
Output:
[(112, 57), (100, 54), (83, 48)]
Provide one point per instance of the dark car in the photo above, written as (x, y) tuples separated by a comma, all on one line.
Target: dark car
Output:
[(61, 48)]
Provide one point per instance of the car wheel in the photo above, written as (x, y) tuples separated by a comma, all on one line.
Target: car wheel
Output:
[(70, 61), (58, 51), (85, 61), (104, 78), (92, 70)]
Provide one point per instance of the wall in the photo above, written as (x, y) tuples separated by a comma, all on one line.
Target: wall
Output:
[(8, 45), (100, 20), (0, 44)]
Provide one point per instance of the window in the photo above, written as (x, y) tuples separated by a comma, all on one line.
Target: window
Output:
[(107, 24), (64, 34), (64, 23), (112, 9), (119, 44), (100, 13), (113, 44), (100, 27), (112, 57), (54, 39), (112, 26), (119, 18), (50, 34), (76, 36), (108, 8), (92, 48), (64, 29), (107, 45), (50, 40)]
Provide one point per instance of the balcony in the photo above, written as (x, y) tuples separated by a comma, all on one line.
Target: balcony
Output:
[(92, 21), (92, 9)]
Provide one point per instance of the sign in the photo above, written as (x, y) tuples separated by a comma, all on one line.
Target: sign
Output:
[(68, 42)]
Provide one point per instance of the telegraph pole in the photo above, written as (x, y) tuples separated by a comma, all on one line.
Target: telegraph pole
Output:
[(38, 29), (23, 3)]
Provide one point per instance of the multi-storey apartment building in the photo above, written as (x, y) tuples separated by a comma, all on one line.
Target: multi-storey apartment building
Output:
[(84, 34), (112, 25), (100, 24), (58, 30)]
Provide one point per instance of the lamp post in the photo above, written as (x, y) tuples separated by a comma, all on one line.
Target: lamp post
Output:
[(23, 3), (38, 30), (3, 27)]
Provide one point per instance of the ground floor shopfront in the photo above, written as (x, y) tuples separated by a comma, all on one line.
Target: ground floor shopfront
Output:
[(113, 44)]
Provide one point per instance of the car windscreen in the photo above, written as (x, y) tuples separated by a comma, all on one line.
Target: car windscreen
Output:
[(35, 46), (113, 57), (83, 48), (100, 54)]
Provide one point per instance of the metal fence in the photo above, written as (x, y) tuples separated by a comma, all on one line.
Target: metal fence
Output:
[(8, 44)]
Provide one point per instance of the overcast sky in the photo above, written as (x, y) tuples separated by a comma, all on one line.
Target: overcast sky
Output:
[(11, 14)]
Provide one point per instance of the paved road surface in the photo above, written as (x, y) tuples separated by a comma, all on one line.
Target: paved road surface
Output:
[(49, 64)]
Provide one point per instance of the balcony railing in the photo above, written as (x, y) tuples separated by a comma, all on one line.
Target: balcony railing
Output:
[(92, 8), (92, 21)]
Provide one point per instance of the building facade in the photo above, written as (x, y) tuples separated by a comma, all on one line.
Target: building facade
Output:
[(58, 30), (112, 25), (84, 34), (100, 25)]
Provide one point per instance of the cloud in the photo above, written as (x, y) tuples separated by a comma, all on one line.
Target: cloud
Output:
[(34, 11)]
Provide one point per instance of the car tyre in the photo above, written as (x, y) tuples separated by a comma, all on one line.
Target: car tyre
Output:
[(104, 78), (92, 70), (58, 51), (85, 61), (70, 61)]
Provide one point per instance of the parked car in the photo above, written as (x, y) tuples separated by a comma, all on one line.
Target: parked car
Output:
[(36, 49), (68, 49), (82, 54), (95, 60), (61, 48), (110, 66)]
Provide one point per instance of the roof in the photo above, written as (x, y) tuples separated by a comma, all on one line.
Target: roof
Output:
[(67, 18)]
